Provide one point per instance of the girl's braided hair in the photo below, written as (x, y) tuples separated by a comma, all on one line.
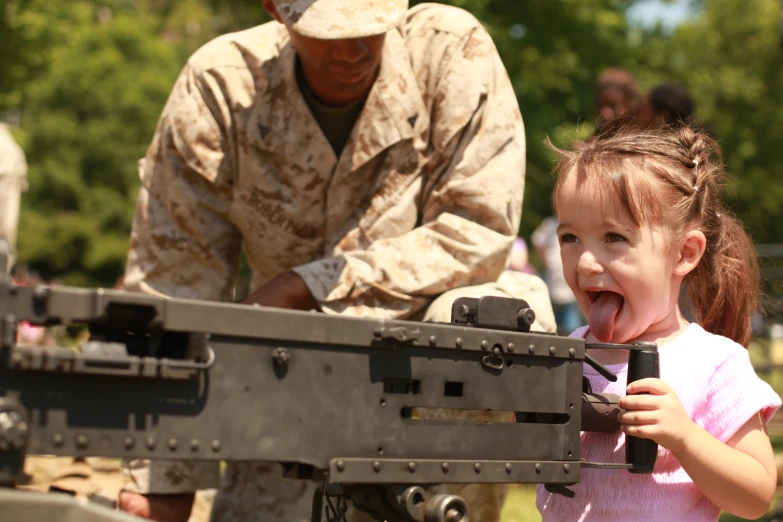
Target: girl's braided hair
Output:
[(673, 178)]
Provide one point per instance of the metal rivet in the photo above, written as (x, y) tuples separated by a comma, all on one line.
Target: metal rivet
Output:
[(82, 441), (484, 344), (511, 347), (433, 340), (552, 350), (215, 445), (194, 445), (538, 468), (128, 442), (376, 466), (445, 467), (571, 353), (340, 465), (57, 439), (477, 467), (151, 443), (531, 348), (411, 466), (459, 342), (566, 467), (173, 444), (508, 467)]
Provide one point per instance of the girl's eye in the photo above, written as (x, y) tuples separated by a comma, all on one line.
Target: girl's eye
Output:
[(568, 238), (611, 237)]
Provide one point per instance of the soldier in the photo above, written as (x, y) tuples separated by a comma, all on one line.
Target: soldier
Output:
[(367, 158), (13, 173)]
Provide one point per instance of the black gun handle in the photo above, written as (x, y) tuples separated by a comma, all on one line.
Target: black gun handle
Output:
[(641, 453)]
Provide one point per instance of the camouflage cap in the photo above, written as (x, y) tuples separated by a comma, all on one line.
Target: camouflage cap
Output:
[(340, 19)]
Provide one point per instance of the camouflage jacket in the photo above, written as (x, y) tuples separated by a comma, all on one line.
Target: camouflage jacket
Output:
[(426, 195)]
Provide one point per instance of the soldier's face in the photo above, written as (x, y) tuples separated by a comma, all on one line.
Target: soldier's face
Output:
[(339, 71)]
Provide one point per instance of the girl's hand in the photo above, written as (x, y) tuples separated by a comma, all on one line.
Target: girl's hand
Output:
[(658, 416)]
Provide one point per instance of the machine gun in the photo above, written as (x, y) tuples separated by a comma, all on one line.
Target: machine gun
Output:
[(333, 399)]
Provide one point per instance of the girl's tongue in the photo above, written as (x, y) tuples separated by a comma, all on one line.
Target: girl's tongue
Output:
[(603, 313)]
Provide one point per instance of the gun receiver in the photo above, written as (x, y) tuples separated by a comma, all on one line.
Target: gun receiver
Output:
[(333, 399)]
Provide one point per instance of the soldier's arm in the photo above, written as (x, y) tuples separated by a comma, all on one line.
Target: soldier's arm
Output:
[(471, 204), (183, 243)]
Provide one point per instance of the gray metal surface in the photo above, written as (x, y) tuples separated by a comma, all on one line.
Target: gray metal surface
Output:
[(28, 506), (293, 387)]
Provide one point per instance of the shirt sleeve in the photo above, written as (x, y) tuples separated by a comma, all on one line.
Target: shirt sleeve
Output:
[(471, 206), (182, 241), (735, 394)]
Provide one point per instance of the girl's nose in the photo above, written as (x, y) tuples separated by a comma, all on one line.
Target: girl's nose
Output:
[(588, 264)]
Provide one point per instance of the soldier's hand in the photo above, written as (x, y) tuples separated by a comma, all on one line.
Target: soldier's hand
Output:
[(161, 508), (287, 290)]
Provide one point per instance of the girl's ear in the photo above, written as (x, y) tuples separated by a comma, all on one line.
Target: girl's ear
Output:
[(692, 247)]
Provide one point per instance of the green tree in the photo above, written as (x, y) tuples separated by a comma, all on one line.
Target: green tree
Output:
[(87, 121), (729, 56)]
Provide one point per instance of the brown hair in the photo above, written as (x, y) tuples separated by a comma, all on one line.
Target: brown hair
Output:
[(673, 178)]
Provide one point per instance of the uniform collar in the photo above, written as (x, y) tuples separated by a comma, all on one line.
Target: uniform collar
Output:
[(282, 123)]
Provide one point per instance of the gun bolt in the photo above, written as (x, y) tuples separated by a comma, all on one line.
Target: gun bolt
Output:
[(13, 431)]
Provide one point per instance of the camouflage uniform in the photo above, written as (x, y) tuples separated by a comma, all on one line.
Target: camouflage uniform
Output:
[(13, 172), (425, 197)]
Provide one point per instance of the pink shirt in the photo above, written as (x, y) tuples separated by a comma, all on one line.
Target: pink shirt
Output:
[(719, 389)]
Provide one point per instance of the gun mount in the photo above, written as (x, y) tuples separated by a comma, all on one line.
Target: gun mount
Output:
[(333, 399)]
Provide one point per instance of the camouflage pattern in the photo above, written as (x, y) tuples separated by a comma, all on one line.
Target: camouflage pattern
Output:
[(340, 19), (13, 172), (425, 198)]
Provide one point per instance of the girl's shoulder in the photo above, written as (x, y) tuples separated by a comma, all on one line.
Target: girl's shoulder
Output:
[(698, 348)]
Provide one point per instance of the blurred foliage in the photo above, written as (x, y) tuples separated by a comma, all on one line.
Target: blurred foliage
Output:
[(86, 80)]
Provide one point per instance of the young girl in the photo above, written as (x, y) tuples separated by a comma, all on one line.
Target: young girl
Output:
[(640, 216)]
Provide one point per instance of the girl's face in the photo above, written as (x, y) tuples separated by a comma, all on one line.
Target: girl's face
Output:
[(622, 275)]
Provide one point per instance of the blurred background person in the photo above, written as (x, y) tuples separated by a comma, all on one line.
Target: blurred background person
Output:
[(519, 260), (671, 104), (617, 100), (568, 316), (13, 175), (667, 104)]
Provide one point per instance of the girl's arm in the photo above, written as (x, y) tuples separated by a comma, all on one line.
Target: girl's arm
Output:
[(739, 476)]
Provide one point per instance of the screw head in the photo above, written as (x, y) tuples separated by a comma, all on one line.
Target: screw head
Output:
[(412, 467), (511, 347), (128, 442), (458, 342), (571, 353), (194, 445), (508, 467), (477, 467), (531, 349), (538, 468), (215, 445), (340, 465), (82, 441), (151, 443), (445, 467), (484, 344), (433, 340), (172, 444), (566, 467), (376, 466), (552, 350), (58, 439)]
